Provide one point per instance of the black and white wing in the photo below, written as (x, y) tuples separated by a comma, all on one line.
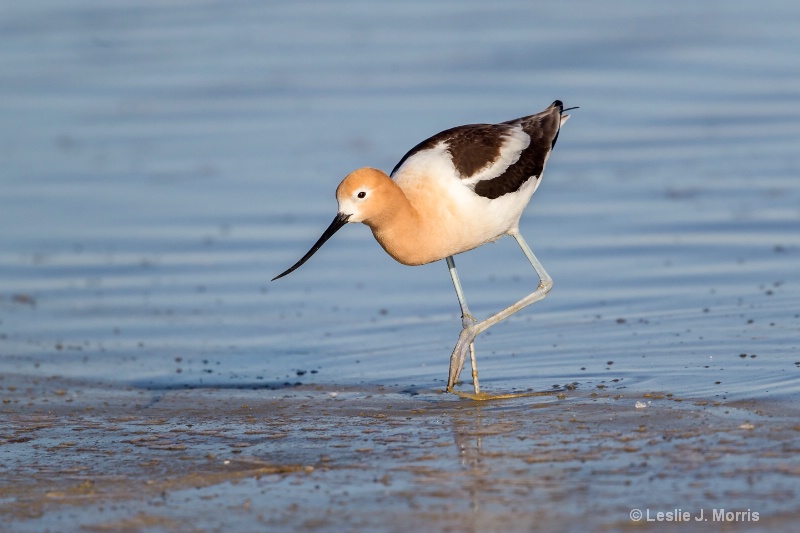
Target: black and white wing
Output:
[(493, 159)]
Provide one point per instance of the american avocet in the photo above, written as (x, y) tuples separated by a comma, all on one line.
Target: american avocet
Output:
[(461, 188)]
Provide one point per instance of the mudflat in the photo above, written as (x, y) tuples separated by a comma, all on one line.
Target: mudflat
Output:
[(83, 456)]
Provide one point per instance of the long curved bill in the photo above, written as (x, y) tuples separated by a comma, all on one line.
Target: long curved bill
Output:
[(340, 220)]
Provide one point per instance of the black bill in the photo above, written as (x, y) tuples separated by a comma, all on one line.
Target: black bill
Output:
[(336, 225)]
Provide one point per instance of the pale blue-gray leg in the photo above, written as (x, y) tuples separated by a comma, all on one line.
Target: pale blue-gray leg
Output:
[(467, 320), (472, 329)]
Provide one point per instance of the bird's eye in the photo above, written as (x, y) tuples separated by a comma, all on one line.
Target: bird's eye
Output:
[(361, 194)]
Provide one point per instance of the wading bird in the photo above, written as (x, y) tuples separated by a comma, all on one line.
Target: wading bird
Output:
[(453, 192)]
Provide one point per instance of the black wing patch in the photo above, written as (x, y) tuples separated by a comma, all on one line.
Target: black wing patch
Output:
[(471, 147), (475, 146), (542, 129)]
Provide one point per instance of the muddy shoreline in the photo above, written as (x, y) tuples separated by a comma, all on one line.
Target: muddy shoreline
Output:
[(101, 457)]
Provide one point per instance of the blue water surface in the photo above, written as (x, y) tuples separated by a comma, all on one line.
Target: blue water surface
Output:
[(160, 162)]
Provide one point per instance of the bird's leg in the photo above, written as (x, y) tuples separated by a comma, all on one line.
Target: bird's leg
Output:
[(466, 337), (469, 333), (545, 284), (466, 317)]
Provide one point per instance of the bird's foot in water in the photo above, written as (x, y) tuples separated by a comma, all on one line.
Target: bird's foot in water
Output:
[(459, 356)]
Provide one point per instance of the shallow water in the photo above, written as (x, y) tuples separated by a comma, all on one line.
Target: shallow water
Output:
[(372, 458), (160, 162)]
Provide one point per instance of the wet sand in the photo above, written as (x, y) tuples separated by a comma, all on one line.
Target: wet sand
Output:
[(80, 456)]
